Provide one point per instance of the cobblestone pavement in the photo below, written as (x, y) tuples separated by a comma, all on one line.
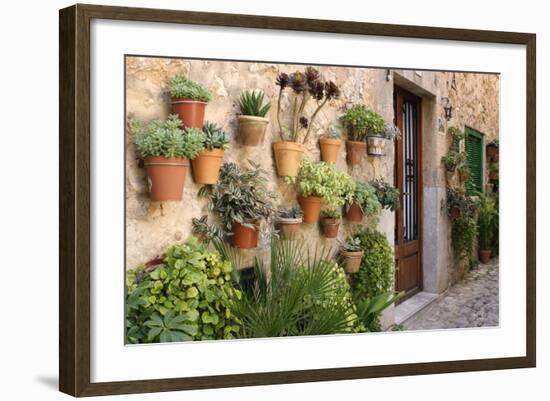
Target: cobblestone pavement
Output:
[(471, 303)]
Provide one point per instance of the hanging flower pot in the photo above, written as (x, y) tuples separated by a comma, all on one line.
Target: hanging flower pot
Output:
[(288, 156), (166, 177), (206, 166), (252, 130), (311, 207), (354, 213), (330, 227), (491, 151), (244, 237), (454, 212), (376, 145), (289, 227), (354, 152), (190, 112), (329, 149), (484, 255), (351, 260)]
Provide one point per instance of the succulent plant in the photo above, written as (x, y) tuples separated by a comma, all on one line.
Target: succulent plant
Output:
[(252, 103), (182, 87)]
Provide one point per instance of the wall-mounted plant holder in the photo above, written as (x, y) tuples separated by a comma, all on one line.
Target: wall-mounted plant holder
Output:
[(376, 146)]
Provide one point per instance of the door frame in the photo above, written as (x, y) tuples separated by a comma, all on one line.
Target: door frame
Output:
[(400, 248)]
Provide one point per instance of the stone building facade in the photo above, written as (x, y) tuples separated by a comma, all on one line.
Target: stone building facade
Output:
[(151, 227)]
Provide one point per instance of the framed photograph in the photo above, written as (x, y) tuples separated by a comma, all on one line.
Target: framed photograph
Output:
[(250, 200)]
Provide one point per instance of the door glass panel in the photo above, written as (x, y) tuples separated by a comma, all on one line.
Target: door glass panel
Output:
[(409, 172)]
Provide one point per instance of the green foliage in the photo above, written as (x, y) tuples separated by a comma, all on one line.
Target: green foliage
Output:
[(387, 194), (375, 275), (365, 196), (360, 122), (252, 104), (240, 196), (370, 309), (214, 137), (182, 87), (189, 297), (463, 234), (303, 294), (456, 135), (166, 138), (331, 213), (467, 204), (391, 132), (205, 231), (323, 180), (486, 222), (453, 159), (352, 244), (333, 133)]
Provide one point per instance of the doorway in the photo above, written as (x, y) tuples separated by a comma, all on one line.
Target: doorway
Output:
[(408, 179)]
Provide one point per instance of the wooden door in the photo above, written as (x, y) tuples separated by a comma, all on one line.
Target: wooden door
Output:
[(408, 178)]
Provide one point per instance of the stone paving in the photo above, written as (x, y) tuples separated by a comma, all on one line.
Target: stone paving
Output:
[(471, 303)]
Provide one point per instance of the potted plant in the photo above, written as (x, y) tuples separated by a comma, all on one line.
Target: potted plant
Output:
[(252, 120), (376, 141), (319, 181), (464, 171), (485, 227), (356, 123), (365, 202), (330, 145), (189, 100), (330, 221), (387, 194), (457, 136), (305, 86), (493, 172), (166, 150), (351, 253), (243, 202), (458, 204), (453, 159), (289, 221), (206, 166), (491, 150)]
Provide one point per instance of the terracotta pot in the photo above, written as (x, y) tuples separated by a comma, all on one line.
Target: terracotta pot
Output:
[(252, 130), (244, 237), (376, 146), (329, 149), (491, 151), (355, 151), (190, 112), (493, 176), (354, 213), (289, 228), (166, 177), (485, 255), (352, 261), (311, 207), (330, 227), (288, 156), (206, 166), (454, 213)]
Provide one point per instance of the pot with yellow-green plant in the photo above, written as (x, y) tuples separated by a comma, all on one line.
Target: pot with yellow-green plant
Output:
[(189, 100), (296, 128), (252, 118), (166, 149)]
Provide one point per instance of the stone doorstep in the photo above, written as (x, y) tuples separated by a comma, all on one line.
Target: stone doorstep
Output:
[(407, 309)]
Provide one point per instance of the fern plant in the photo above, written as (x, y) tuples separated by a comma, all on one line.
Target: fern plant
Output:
[(252, 103), (166, 138), (182, 87)]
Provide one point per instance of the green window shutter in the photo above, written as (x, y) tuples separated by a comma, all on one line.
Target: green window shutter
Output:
[(474, 157)]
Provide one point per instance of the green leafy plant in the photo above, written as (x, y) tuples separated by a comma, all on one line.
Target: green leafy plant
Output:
[(166, 138), (323, 180), (365, 196), (214, 137), (465, 203), (375, 275), (190, 296), (331, 213), (370, 309), (387, 194), (240, 196), (391, 132), (360, 121), (252, 103), (305, 86), (205, 231), (486, 222), (453, 159), (463, 234), (457, 135), (303, 294), (182, 87)]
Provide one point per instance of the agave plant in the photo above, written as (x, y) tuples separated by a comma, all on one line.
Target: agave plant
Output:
[(252, 104), (301, 293)]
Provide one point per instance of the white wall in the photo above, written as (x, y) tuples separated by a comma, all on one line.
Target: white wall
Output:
[(28, 200)]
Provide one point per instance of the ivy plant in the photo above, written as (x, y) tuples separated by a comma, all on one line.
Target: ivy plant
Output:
[(360, 121), (387, 194), (182, 87), (166, 138), (189, 297)]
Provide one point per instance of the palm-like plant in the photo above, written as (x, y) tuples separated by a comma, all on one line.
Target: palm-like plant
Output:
[(302, 293)]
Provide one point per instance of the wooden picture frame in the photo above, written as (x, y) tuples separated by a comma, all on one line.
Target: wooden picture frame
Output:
[(74, 202)]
